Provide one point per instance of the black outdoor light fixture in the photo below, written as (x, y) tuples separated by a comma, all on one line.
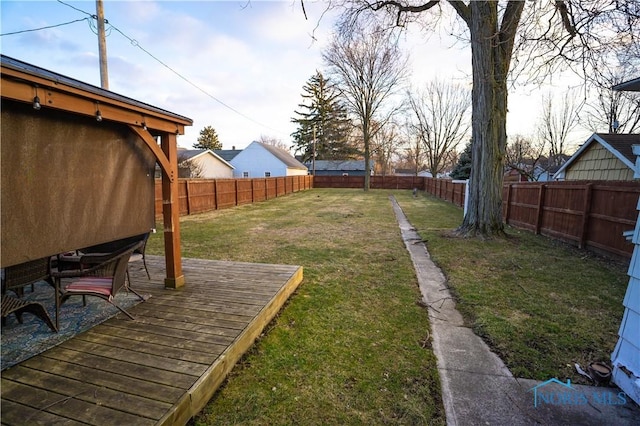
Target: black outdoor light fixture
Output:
[(36, 101), (98, 113)]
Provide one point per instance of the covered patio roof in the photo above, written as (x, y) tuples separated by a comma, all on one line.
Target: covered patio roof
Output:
[(46, 90), (628, 86)]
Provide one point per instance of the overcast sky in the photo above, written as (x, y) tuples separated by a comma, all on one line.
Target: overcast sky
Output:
[(254, 57)]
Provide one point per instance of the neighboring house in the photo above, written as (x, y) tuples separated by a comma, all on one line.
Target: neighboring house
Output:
[(263, 160), (411, 172), (540, 170), (227, 154), (604, 156), (337, 167), (207, 164)]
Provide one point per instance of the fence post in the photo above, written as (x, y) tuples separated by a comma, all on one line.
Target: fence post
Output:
[(253, 190), (466, 198), (586, 212), (215, 188), (188, 194), (540, 208)]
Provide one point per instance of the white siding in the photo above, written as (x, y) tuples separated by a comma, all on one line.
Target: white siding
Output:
[(626, 355), (257, 161)]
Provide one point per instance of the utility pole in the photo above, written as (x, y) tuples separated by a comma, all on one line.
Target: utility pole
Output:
[(314, 150), (102, 46)]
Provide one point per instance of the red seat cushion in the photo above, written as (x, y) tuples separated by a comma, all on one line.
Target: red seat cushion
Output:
[(90, 284)]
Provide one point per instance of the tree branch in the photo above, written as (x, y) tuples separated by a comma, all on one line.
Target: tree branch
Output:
[(462, 9), (508, 29), (402, 7), (561, 6)]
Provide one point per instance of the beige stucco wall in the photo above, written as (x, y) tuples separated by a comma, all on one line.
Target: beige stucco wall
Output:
[(297, 172), (598, 163), (212, 168)]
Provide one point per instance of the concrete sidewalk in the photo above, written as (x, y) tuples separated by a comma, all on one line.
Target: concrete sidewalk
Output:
[(478, 389)]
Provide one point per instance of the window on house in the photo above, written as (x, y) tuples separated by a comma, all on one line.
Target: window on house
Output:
[(267, 174), (245, 174)]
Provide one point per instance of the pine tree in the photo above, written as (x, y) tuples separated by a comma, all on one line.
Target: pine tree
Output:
[(462, 170), (208, 139), (322, 110)]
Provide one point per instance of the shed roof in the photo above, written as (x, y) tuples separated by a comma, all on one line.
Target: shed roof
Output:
[(283, 156), (619, 145)]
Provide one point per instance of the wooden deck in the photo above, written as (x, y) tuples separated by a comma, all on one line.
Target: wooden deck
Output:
[(161, 368)]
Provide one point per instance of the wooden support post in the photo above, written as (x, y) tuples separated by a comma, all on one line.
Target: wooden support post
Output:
[(171, 214), (586, 212), (540, 208)]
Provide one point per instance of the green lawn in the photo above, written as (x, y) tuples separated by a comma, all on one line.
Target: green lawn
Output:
[(349, 347), (540, 304)]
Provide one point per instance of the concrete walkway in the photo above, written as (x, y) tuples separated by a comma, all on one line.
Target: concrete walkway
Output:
[(478, 389)]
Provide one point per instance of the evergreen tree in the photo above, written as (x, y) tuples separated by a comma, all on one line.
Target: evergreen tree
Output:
[(462, 170), (322, 110), (208, 139)]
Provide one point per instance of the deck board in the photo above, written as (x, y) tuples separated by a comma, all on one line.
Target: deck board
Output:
[(161, 368)]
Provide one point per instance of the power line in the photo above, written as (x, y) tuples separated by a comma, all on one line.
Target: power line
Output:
[(137, 44), (75, 8), (44, 28)]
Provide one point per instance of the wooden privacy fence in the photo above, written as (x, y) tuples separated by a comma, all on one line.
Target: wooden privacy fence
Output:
[(590, 214), (377, 182), (446, 189), (203, 195)]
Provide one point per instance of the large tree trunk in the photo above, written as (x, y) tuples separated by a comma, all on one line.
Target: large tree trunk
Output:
[(489, 105)]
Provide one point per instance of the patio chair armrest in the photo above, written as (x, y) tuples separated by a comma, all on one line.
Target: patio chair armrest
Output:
[(103, 264)]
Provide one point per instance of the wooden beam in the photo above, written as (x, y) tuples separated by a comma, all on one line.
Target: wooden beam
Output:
[(171, 214), (21, 87), (160, 155)]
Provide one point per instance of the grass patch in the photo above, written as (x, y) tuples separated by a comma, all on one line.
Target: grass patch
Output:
[(349, 347), (541, 305)]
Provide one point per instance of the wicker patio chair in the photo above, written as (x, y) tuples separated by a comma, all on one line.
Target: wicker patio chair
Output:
[(15, 278), (71, 261), (104, 279), (139, 255)]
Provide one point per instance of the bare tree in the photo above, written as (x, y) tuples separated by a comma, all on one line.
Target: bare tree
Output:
[(616, 111), (384, 146), (580, 33), (187, 168), (368, 69), (524, 156), (413, 155), (559, 118), (441, 114), (270, 140)]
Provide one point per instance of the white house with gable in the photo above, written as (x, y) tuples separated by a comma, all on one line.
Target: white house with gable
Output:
[(207, 163), (261, 160)]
